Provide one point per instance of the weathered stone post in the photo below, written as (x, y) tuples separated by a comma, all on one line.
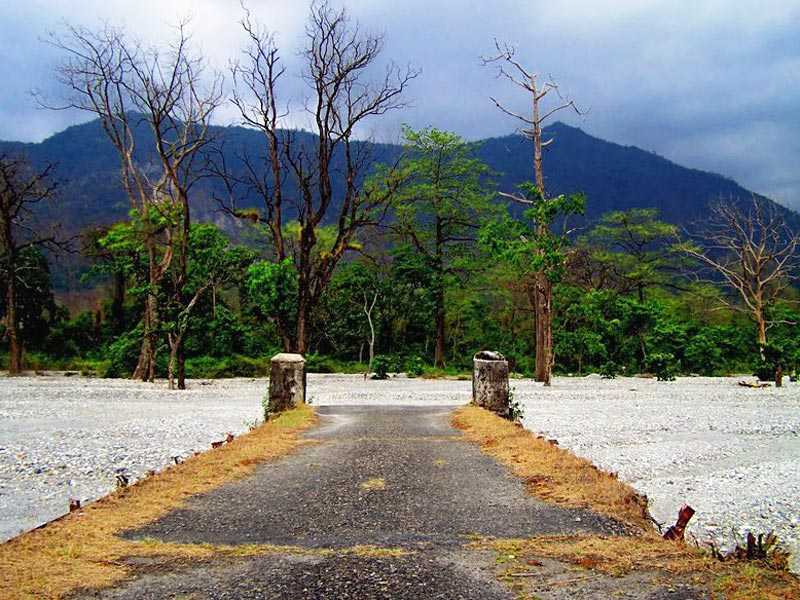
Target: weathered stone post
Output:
[(287, 382), (490, 382)]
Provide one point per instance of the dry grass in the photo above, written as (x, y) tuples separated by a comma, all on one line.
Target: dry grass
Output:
[(552, 473), (556, 475), (615, 556), (374, 484), (619, 556), (83, 550)]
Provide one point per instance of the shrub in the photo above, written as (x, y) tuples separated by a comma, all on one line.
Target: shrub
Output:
[(316, 363), (516, 411), (123, 353), (609, 370), (380, 367), (209, 367), (663, 365), (414, 366)]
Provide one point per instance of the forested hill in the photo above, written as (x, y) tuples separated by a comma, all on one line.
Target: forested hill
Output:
[(612, 176)]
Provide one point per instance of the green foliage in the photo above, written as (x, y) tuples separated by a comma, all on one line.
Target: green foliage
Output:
[(529, 244), (272, 289), (516, 410), (236, 365), (414, 366), (663, 366), (380, 367), (638, 248), (123, 353), (609, 370), (36, 308)]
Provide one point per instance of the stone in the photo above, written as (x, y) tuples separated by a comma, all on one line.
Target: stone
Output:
[(490, 382), (287, 382)]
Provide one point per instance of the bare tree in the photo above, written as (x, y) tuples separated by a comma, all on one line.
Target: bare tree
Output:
[(368, 307), (339, 58), (21, 188), (755, 252), (509, 67), (136, 91)]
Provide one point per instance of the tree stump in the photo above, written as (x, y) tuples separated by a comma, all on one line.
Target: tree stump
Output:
[(490, 382), (287, 382)]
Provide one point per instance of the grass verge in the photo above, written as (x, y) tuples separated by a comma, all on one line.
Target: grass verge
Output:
[(674, 562), (558, 476), (552, 473), (82, 549)]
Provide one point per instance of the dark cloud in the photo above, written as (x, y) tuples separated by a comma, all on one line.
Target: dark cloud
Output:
[(713, 85)]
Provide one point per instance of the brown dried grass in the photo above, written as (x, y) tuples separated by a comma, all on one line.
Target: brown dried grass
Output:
[(558, 476), (619, 556), (552, 473), (82, 550)]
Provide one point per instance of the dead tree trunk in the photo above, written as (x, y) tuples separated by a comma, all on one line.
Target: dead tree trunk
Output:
[(12, 321), (515, 72)]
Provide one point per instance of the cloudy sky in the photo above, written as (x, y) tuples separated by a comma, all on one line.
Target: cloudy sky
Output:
[(711, 84)]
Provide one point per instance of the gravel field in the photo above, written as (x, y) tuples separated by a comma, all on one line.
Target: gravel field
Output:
[(732, 453), (65, 437)]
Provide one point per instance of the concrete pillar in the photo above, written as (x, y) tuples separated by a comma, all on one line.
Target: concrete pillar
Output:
[(287, 382), (490, 382)]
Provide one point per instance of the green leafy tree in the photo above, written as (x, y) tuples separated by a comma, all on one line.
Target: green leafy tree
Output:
[(212, 263), (272, 289), (440, 210), (34, 306), (538, 254), (637, 247)]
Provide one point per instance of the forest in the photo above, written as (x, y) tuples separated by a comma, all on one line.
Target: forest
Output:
[(405, 265)]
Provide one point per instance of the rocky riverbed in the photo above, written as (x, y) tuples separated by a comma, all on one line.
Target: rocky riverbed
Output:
[(732, 453), (68, 437)]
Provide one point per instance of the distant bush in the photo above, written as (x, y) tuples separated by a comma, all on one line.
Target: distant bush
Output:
[(380, 367), (316, 363), (123, 353), (663, 365), (609, 370), (209, 367), (414, 366)]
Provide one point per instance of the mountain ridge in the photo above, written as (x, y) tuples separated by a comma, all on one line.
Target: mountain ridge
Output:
[(613, 176)]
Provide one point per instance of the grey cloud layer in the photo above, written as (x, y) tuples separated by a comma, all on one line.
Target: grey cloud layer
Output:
[(710, 84)]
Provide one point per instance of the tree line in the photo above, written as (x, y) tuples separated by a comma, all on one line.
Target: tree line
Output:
[(419, 260)]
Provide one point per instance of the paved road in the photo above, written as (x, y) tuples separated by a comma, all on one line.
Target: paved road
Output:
[(385, 476)]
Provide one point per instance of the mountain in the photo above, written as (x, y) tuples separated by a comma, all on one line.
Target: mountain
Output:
[(612, 176)]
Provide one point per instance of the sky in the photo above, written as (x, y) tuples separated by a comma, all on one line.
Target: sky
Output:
[(710, 84)]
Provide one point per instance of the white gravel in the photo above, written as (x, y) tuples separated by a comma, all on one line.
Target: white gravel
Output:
[(732, 453), (63, 438)]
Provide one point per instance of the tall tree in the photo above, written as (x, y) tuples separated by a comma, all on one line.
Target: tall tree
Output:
[(22, 187), (213, 262), (339, 61), (536, 253), (636, 247), (161, 94), (440, 210), (755, 253), (512, 69)]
